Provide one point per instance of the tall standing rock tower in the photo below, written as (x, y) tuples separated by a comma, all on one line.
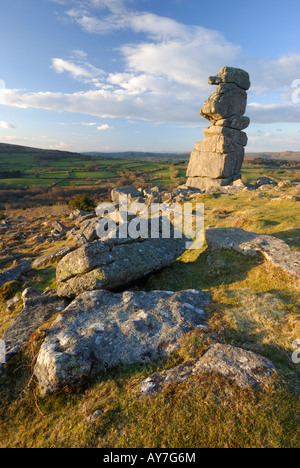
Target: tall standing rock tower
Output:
[(218, 159)]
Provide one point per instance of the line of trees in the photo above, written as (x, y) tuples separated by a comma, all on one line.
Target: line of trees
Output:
[(14, 174)]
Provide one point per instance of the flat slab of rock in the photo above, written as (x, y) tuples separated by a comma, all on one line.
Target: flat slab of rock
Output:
[(242, 368), (236, 136), (38, 308), (51, 256), (14, 273), (129, 192), (249, 243), (99, 266), (101, 329), (215, 165)]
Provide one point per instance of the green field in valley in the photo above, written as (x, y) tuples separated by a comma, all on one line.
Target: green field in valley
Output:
[(46, 168)]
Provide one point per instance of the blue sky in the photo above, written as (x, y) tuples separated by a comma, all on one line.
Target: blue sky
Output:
[(118, 75)]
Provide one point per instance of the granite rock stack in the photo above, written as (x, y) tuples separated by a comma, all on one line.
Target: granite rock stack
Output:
[(217, 160)]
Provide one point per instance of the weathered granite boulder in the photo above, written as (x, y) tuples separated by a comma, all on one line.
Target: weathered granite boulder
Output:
[(84, 217), (101, 329), (233, 135), (265, 181), (82, 260), (226, 101), (237, 122), (59, 230), (78, 213), (14, 273), (240, 367), (249, 243), (231, 75), (84, 232), (129, 192), (218, 159), (128, 252), (38, 307), (216, 165), (38, 262), (95, 267), (285, 184)]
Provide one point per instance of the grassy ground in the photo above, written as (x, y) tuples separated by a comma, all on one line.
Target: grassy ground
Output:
[(254, 305)]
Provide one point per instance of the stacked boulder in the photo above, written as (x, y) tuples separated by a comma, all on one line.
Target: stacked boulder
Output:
[(217, 160)]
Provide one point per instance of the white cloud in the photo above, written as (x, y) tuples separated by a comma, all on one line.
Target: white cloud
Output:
[(104, 127), (61, 146), (162, 77), (272, 113), (6, 125), (76, 71), (80, 69)]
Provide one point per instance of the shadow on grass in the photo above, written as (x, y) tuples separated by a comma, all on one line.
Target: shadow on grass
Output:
[(210, 269), (291, 237)]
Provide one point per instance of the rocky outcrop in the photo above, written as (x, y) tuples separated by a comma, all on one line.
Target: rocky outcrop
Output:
[(249, 243), (242, 368), (130, 251), (101, 329), (38, 307), (101, 265), (218, 159)]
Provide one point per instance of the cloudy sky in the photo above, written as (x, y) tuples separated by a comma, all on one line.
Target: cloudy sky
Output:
[(101, 75)]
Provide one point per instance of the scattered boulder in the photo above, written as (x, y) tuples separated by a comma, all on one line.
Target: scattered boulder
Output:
[(84, 232), (14, 273), (129, 192), (285, 184), (249, 243), (265, 181), (38, 307), (159, 380), (243, 368), (283, 198), (10, 304), (59, 230), (77, 213), (94, 417), (102, 329), (38, 262), (84, 217)]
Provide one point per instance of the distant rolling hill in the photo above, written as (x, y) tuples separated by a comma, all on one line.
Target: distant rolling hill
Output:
[(6, 148), (137, 155), (288, 155)]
